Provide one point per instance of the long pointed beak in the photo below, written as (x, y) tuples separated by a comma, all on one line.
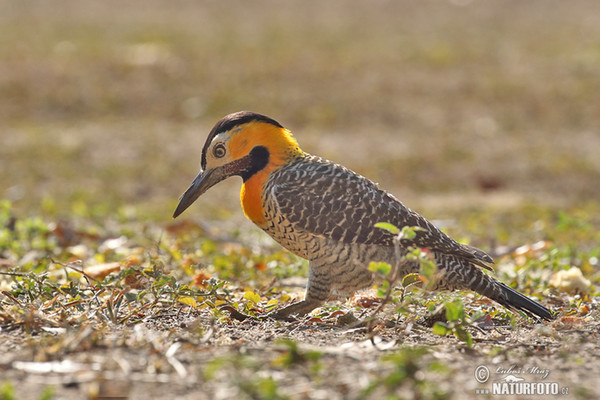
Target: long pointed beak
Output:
[(204, 181)]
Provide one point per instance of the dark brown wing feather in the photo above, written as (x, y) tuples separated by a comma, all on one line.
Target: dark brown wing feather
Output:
[(329, 200)]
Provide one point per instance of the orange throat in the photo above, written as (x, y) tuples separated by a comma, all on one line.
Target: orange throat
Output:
[(282, 149), (251, 197)]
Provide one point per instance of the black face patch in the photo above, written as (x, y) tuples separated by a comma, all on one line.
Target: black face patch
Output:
[(259, 158), (229, 122)]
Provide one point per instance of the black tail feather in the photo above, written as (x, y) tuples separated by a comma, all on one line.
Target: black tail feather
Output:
[(458, 273), (510, 298)]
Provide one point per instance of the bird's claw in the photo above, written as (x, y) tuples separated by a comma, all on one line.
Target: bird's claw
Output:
[(278, 316), (234, 313), (274, 315)]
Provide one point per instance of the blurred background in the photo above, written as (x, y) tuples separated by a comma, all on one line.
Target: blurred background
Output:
[(449, 105)]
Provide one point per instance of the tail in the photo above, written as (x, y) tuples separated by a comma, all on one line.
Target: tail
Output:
[(461, 274), (510, 298)]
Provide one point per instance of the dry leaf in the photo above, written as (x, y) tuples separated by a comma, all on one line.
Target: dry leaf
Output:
[(100, 271), (200, 278)]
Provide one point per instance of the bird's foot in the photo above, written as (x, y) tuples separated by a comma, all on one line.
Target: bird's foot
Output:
[(438, 315), (235, 314), (274, 315), (278, 315)]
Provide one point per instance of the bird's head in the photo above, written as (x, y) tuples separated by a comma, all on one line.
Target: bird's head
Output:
[(242, 144)]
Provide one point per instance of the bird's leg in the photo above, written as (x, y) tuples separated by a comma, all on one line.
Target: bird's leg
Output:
[(301, 308), (318, 291)]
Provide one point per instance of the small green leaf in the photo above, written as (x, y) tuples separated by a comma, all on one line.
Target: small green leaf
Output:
[(410, 279), (407, 233), (455, 310), (463, 335), (267, 388), (441, 329), (251, 296), (7, 391), (382, 289), (388, 227), (380, 267), (428, 269), (272, 304), (187, 300), (47, 394)]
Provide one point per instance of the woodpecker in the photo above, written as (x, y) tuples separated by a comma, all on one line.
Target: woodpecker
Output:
[(326, 213)]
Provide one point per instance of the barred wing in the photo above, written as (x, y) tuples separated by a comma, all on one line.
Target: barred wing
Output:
[(328, 200)]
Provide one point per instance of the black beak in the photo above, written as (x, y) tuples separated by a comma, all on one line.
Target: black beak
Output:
[(209, 178), (204, 181)]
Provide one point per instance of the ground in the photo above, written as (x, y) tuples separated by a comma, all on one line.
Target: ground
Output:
[(482, 116)]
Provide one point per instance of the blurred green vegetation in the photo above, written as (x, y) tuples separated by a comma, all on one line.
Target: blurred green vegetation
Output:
[(106, 105)]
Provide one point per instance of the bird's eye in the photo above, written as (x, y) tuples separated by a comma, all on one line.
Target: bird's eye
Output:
[(219, 150)]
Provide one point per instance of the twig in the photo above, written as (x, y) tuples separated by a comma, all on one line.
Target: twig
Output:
[(13, 274), (80, 270), (11, 297)]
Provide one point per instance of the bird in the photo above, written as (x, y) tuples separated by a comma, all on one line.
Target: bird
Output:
[(327, 214)]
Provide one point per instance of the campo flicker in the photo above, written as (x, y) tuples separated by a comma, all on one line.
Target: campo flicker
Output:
[(326, 213)]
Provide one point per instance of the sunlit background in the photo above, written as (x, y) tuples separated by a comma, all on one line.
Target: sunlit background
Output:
[(105, 105)]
